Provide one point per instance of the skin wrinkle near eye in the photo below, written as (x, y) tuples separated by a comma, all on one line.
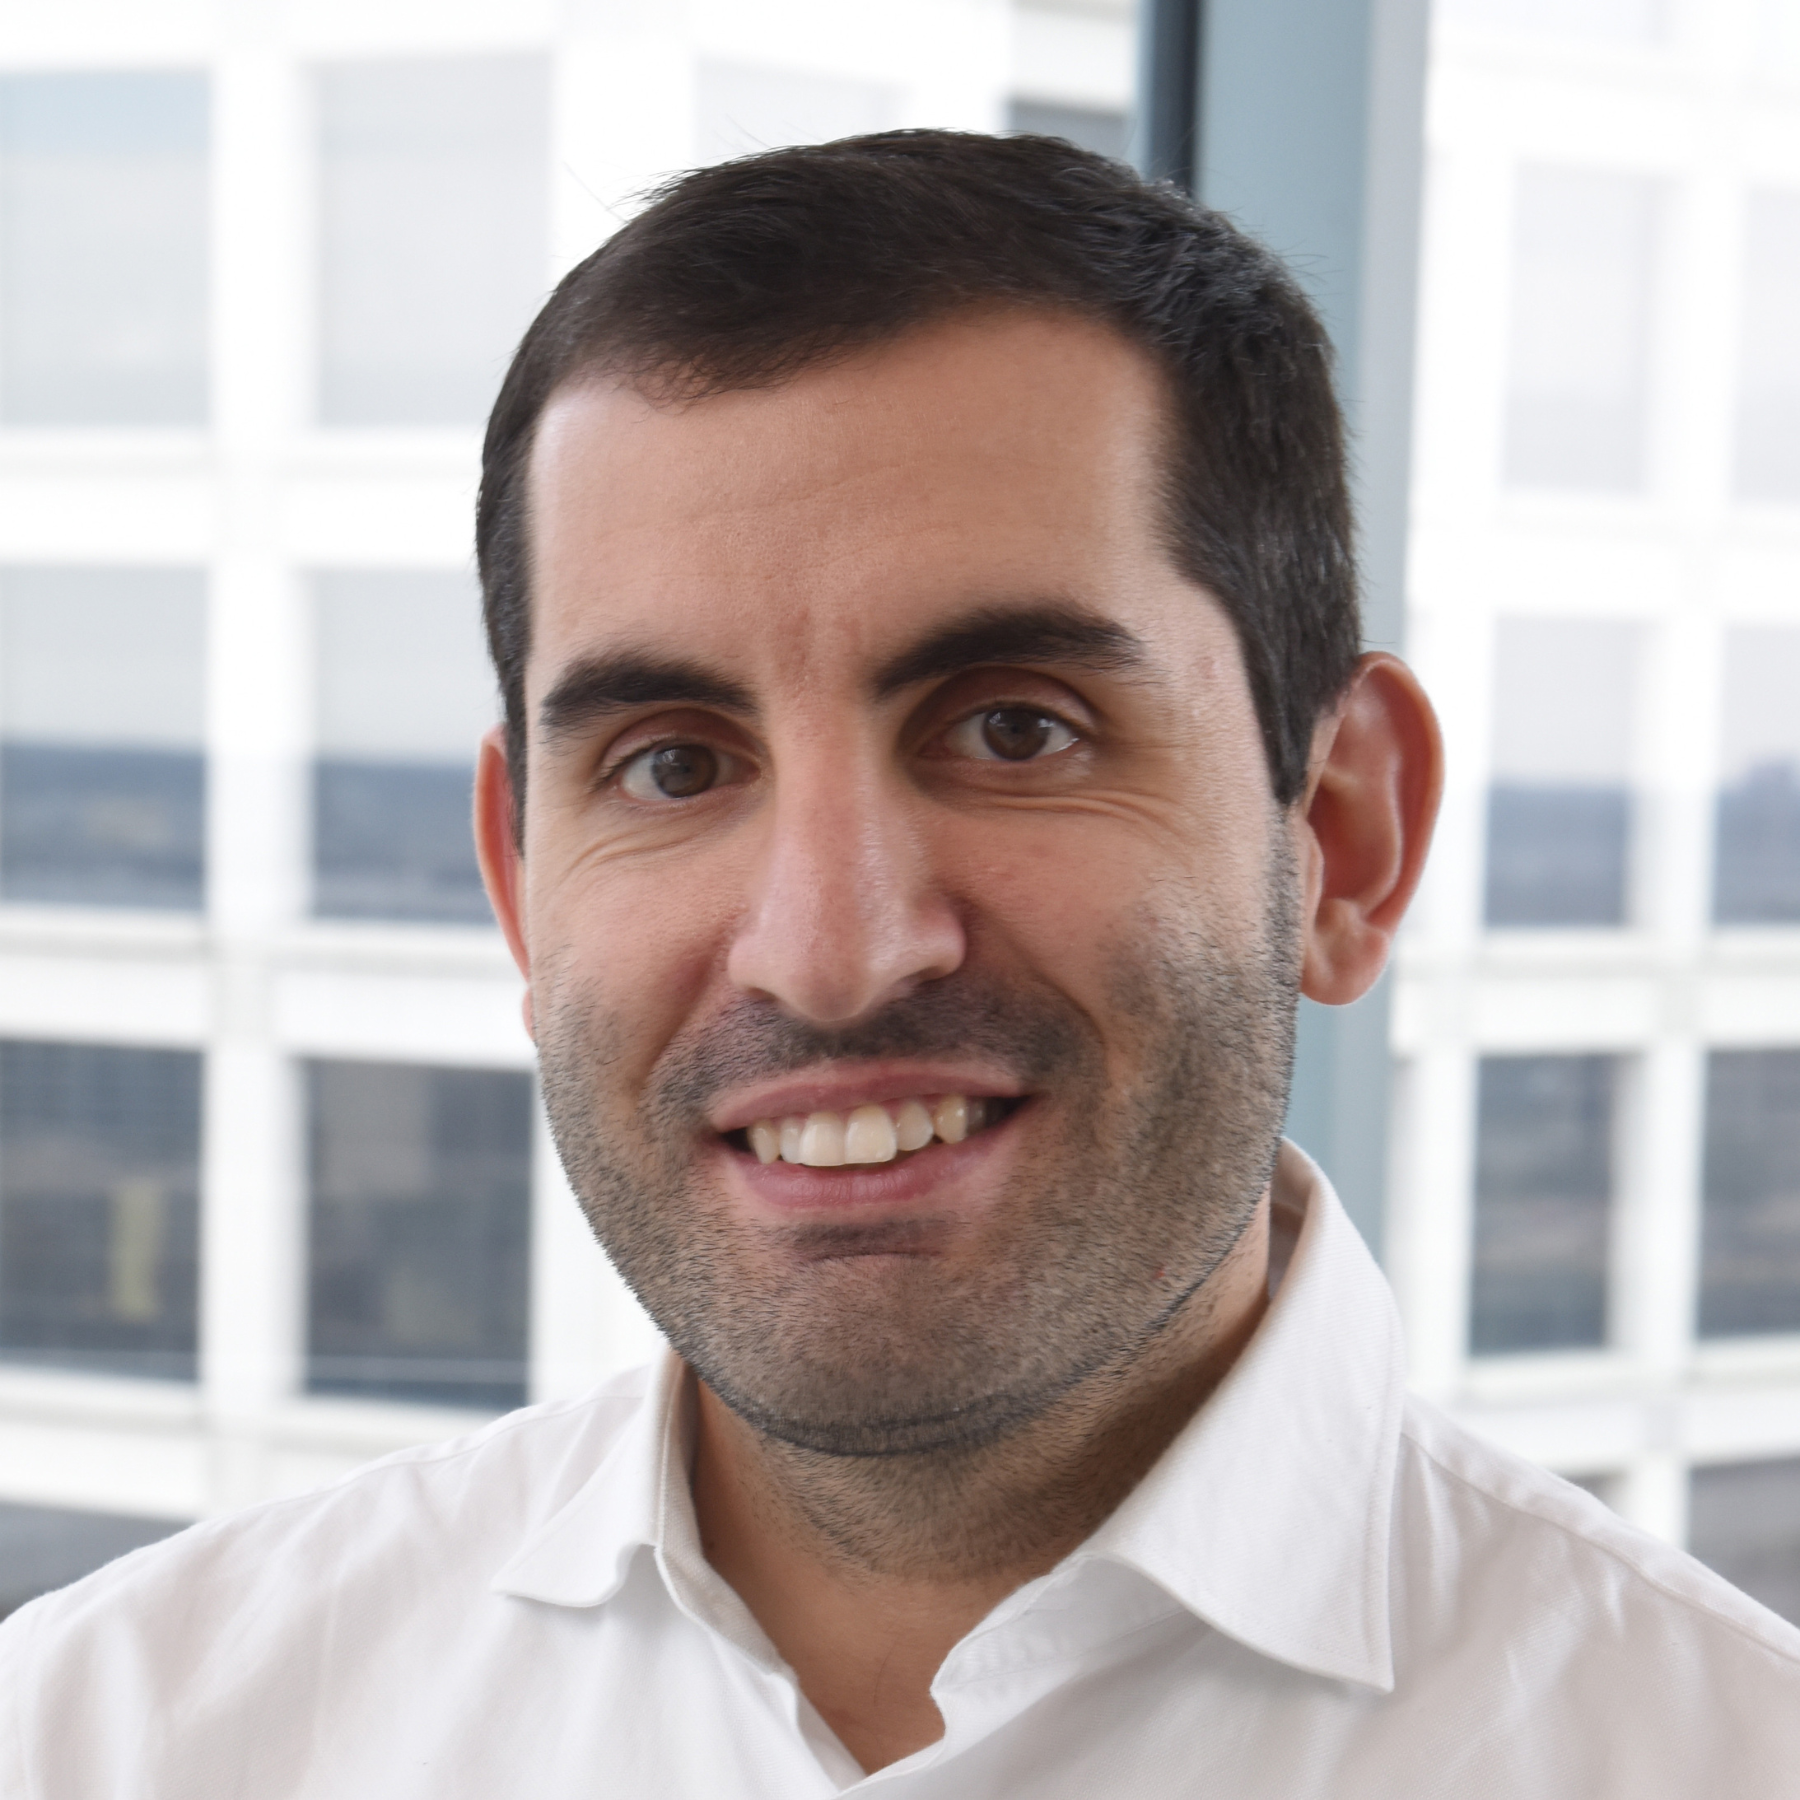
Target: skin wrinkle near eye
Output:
[(1171, 1158)]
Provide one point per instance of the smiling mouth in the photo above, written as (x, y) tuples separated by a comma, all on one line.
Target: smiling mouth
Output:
[(871, 1134)]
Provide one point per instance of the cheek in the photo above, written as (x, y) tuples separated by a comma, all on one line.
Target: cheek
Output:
[(1051, 894), (636, 947)]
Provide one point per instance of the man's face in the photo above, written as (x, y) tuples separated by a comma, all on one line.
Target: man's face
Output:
[(879, 753)]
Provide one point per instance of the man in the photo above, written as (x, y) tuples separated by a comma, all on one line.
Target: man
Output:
[(936, 756)]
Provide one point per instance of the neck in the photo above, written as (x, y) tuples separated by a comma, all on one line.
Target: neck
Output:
[(866, 1571)]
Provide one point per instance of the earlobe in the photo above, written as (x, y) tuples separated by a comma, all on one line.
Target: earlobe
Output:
[(497, 851), (1377, 777)]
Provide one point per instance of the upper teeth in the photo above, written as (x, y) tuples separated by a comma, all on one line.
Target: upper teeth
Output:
[(866, 1134)]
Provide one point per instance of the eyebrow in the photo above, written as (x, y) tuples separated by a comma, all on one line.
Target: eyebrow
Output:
[(602, 685), (1047, 632)]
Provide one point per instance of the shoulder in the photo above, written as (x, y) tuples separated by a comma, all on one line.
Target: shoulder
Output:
[(421, 1530), (486, 1488), (1511, 1579)]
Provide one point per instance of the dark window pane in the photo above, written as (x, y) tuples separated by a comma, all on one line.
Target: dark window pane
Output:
[(102, 714), (421, 1203), (1559, 799), (1757, 875), (101, 827), (1088, 126), (433, 207), (99, 1204), (1744, 1521), (46, 1547), (1557, 855), (1756, 869), (1543, 1192), (392, 841), (404, 691), (1750, 1240), (103, 248)]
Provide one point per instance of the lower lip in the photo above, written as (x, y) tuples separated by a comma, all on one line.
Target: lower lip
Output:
[(932, 1173)]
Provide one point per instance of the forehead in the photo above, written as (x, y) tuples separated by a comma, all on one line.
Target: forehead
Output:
[(971, 463)]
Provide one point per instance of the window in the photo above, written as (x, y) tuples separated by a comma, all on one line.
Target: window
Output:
[(1756, 876), (1750, 1240), (433, 234), (1584, 244), (1744, 1521), (99, 1205), (1091, 127), (103, 249), (1559, 807), (102, 777), (45, 1547), (741, 109), (404, 693), (421, 1195), (1543, 1199), (1768, 397)]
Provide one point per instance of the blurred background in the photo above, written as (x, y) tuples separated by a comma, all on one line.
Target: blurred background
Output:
[(275, 1192)]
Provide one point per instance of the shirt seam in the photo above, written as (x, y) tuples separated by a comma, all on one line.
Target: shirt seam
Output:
[(1685, 1601)]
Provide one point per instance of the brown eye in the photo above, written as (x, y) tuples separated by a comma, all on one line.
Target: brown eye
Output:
[(1010, 734), (1015, 734), (671, 772)]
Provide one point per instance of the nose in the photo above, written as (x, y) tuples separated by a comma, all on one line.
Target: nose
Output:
[(845, 914)]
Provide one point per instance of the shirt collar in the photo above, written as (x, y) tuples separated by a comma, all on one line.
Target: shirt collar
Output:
[(582, 1553), (1268, 1516)]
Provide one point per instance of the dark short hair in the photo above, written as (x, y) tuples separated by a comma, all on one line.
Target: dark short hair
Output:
[(744, 274)]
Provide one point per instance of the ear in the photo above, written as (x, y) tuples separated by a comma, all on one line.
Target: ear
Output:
[(1365, 824), (497, 850)]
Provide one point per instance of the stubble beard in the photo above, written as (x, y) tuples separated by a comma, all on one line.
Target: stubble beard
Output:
[(1130, 1195)]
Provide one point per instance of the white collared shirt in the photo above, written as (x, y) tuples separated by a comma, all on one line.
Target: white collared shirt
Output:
[(1323, 1591)]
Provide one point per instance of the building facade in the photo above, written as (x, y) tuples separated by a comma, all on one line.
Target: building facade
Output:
[(1594, 1226)]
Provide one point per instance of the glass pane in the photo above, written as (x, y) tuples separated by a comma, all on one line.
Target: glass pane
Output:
[(103, 249), (46, 1547), (421, 1198), (1617, 21), (1543, 1193), (1757, 868), (1583, 260), (1768, 399), (1744, 1521), (102, 775), (1559, 808), (404, 694), (1750, 1242), (1105, 133), (99, 1207), (740, 109), (433, 209)]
